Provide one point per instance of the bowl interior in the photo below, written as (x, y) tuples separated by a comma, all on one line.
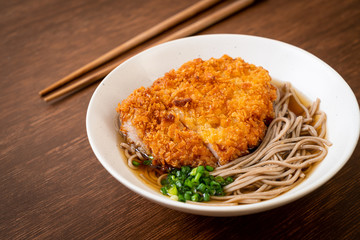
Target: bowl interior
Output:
[(286, 63)]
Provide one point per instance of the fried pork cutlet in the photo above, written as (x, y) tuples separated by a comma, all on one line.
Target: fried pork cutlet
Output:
[(220, 105)]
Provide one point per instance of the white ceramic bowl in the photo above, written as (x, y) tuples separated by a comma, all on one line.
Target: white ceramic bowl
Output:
[(307, 73)]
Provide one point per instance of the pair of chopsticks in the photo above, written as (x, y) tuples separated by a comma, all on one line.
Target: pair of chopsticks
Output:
[(53, 92)]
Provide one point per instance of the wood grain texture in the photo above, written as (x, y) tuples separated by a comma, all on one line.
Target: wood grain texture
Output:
[(51, 184)]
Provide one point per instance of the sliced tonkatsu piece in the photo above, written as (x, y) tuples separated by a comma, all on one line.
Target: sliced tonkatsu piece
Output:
[(151, 127), (225, 101)]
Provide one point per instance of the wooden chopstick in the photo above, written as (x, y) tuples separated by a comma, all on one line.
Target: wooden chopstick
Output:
[(209, 20), (152, 32), (82, 83), (187, 31)]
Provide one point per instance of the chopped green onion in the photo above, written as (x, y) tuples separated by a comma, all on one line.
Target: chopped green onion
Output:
[(195, 184), (209, 168), (197, 177), (185, 169), (147, 162), (173, 190), (178, 183), (188, 183), (219, 179), (188, 195), (163, 190), (135, 163), (174, 197), (164, 181), (200, 169), (206, 180), (206, 197), (181, 198), (212, 191), (193, 172), (214, 184), (229, 180), (201, 187), (195, 197)]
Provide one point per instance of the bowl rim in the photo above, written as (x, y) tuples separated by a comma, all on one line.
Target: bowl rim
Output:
[(223, 210)]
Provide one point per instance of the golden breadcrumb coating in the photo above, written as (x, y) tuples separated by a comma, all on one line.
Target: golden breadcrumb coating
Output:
[(222, 103)]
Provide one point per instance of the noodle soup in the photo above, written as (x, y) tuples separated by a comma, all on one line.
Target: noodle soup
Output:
[(294, 144)]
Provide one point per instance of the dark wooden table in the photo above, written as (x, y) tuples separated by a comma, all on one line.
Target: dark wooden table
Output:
[(51, 184)]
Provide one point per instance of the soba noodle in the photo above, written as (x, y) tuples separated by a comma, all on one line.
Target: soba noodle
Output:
[(291, 145)]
